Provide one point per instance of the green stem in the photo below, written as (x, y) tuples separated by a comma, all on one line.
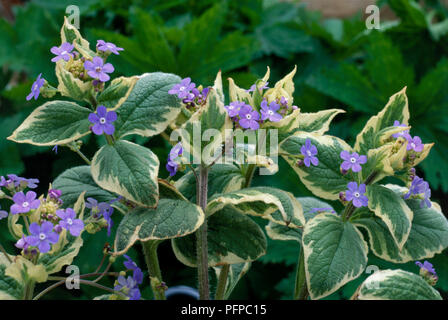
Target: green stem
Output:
[(348, 211), (300, 289), (249, 174), (201, 237), (29, 290), (82, 155), (86, 282), (110, 139), (222, 282), (155, 275)]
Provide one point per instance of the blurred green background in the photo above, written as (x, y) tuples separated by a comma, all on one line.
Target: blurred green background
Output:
[(340, 63)]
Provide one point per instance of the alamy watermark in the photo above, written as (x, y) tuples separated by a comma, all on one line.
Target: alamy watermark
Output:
[(373, 20), (73, 15)]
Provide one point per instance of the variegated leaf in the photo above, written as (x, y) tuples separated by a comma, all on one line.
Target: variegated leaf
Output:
[(232, 238), (129, 170), (53, 123), (74, 181), (396, 109), (270, 203), (325, 180), (393, 211), (309, 205), (149, 108), (335, 253), (171, 219), (396, 285), (70, 86), (427, 237), (317, 122), (70, 34), (10, 288), (222, 178), (204, 133), (236, 272), (117, 92), (282, 88)]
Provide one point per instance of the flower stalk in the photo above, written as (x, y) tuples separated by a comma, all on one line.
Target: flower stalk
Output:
[(152, 262), (222, 282), (300, 289), (201, 237)]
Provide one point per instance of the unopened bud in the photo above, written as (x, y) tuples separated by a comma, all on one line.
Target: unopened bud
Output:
[(58, 228)]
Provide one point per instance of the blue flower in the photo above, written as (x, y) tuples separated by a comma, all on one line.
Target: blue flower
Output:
[(35, 88), (172, 165), (309, 151)]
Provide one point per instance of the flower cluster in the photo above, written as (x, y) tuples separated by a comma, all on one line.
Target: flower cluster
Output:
[(15, 187), (248, 118), (420, 188), (15, 183), (190, 95), (81, 67), (100, 215), (413, 143), (129, 285), (428, 272), (50, 222)]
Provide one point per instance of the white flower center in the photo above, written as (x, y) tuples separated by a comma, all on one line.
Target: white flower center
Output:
[(102, 120), (352, 160), (356, 194), (69, 221), (231, 107), (308, 152), (413, 145), (98, 69), (270, 112), (248, 116), (42, 236), (35, 87), (182, 88), (25, 204), (63, 52)]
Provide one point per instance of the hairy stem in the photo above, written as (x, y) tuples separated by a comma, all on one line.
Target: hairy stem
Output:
[(222, 282), (300, 289), (201, 237), (155, 275)]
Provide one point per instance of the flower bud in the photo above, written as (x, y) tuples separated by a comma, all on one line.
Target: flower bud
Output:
[(57, 228), (342, 196)]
